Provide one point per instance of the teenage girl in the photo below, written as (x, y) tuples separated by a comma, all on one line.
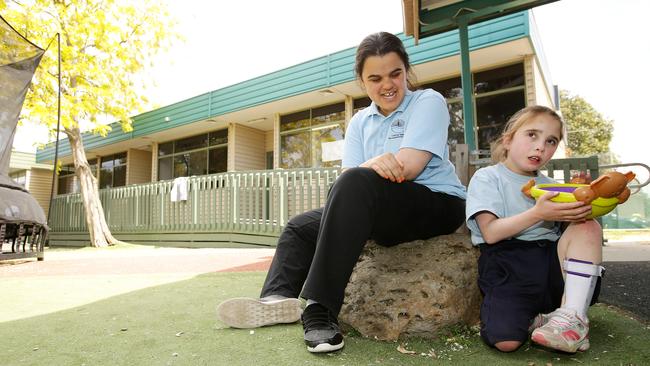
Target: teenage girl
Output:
[(398, 185)]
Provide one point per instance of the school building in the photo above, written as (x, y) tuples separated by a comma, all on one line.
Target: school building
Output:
[(34, 177), (258, 152)]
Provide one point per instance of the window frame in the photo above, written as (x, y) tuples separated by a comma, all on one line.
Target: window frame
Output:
[(311, 128), (476, 96), (69, 171), (112, 159), (18, 175), (174, 154)]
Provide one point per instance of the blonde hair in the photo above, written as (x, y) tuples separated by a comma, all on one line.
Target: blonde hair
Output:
[(499, 152)]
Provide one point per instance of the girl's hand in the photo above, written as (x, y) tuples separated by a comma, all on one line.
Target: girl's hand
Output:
[(548, 210), (387, 166)]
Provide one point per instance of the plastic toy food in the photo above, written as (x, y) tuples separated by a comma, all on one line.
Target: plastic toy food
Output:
[(603, 194), (612, 184), (582, 177)]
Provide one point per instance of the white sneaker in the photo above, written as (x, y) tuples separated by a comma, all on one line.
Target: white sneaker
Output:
[(564, 331), (538, 321), (244, 312)]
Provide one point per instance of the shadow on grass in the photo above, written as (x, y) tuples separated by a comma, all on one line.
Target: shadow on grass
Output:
[(175, 324)]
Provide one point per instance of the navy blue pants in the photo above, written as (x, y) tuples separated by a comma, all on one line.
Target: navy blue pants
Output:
[(518, 280), (318, 249)]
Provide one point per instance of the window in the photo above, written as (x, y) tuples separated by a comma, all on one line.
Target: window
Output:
[(67, 180), (191, 143), (498, 94), (452, 90), (312, 138), (456, 132), (359, 104), (195, 155), (218, 160), (269, 160), (498, 79), (449, 88), (19, 177), (492, 113), (165, 168), (112, 171)]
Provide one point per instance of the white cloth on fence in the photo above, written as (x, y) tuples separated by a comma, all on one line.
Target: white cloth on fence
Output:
[(179, 189)]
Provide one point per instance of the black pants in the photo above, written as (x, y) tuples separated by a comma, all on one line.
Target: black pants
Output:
[(318, 249)]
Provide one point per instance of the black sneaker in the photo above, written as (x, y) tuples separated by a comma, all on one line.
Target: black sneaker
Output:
[(322, 332)]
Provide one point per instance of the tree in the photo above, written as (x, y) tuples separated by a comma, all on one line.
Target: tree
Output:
[(589, 133), (105, 45)]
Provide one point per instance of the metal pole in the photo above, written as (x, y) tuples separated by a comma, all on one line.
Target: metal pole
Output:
[(58, 126), (466, 82)]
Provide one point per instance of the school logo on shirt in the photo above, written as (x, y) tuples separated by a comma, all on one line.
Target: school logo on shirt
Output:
[(396, 129)]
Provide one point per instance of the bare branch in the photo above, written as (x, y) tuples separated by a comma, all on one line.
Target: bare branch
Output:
[(131, 34)]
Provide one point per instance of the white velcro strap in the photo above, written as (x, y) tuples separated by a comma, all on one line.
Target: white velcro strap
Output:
[(583, 268)]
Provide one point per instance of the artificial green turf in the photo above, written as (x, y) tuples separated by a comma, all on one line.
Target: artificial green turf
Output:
[(175, 324)]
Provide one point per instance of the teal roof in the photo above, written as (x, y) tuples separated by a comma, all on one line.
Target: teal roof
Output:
[(329, 70)]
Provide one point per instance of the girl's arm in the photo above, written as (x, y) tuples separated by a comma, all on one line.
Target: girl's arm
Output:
[(425, 135), (387, 166), (406, 165), (495, 229), (414, 161)]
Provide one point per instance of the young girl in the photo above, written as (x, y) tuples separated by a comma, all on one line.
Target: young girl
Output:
[(398, 185), (536, 257)]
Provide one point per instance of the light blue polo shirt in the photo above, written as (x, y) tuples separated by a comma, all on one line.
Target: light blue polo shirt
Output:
[(497, 189), (420, 122)]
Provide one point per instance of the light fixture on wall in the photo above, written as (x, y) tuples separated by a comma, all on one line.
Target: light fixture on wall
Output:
[(166, 119), (326, 92), (322, 128), (256, 120)]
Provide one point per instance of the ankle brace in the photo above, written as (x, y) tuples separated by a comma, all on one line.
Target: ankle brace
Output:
[(583, 268), (580, 284)]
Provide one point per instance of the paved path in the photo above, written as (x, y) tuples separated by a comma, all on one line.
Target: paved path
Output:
[(73, 278), (195, 261), (627, 279), (146, 260)]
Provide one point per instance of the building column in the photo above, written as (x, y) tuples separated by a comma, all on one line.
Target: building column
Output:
[(138, 166), (529, 80), (28, 176), (231, 147), (246, 149), (276, 141), (154, 161), (349, 109), (98, 170)]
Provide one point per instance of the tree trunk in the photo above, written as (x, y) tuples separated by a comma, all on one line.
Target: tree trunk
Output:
[(100, 234)]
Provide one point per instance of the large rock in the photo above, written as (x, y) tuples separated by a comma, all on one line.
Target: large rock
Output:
[(413, 289)]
